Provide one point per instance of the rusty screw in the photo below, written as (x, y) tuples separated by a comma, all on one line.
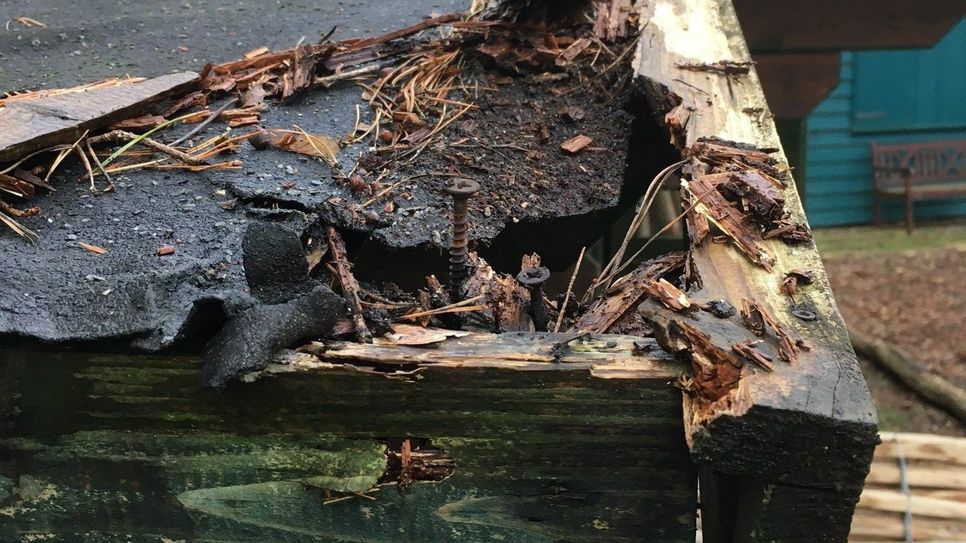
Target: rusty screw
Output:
[(461, 190), (533, 279)]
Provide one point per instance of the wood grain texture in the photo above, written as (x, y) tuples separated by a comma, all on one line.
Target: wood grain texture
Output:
[(133, 446), (809, 423), (30, 125), (608, 356)]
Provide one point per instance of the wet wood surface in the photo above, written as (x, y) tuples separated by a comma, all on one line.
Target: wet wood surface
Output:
[(109, 447)]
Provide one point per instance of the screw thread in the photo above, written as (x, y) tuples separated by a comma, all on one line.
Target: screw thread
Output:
[(458, 269)]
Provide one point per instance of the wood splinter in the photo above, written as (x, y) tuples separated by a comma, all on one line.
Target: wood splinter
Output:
[(748, 350), (350, 287)]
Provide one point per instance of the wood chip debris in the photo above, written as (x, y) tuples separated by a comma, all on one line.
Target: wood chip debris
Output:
[(92, 248), (626, 293), (298, 141), (407, 334), (30, 22), (668, 294), (748, 350), (756, 317), (789, 284), (576, 144)]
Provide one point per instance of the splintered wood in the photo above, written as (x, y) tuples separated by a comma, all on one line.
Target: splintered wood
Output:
[(756, 317), (506, 299), (607, 356), (350, 287), (625, 294), (716, 371)]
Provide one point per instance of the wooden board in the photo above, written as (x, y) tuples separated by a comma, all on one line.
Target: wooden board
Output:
[(609, 356), (806, 430), (128, 447), (832, 25), (30, 125), (795, 84)]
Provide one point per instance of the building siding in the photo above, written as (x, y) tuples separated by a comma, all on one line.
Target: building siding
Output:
[(838, 166)]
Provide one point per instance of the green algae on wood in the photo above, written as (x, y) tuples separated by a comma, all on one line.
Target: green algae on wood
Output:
[(554, 455)]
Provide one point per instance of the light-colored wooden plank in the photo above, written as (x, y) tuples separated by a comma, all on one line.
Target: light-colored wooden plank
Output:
[(897, 502), (30, 125), (887, 472), (608, 356), (869, 525), (922, 447)]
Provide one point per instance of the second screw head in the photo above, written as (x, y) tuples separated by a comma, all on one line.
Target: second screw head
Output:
[(462, 188), (533, 277)]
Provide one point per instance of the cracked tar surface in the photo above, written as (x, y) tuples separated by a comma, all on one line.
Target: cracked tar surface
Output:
[(55, 290)]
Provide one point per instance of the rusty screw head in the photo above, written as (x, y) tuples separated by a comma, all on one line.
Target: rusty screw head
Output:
[(533, 277), (462, 188)]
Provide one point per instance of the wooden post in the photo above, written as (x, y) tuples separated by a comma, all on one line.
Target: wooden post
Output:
[(792, 446)]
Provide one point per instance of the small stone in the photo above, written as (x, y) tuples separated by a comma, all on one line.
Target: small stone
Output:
[(573, 114)]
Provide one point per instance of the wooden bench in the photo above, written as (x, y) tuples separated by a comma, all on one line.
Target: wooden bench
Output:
[(917, 171)]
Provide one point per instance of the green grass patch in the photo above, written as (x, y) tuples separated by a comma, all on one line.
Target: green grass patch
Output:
[(854, 239)]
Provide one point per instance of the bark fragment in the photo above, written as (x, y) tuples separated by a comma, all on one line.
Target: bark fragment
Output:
[(756, 317), (747, 349)]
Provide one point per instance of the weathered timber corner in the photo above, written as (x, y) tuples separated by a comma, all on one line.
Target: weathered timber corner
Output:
[(782, 454)]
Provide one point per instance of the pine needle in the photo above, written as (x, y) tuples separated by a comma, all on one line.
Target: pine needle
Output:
[(18, 228)]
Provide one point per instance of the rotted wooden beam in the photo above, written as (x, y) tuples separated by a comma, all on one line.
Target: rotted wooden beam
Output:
[(788, 429)]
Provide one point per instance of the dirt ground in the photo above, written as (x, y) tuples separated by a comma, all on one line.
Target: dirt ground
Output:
[(907, 290)]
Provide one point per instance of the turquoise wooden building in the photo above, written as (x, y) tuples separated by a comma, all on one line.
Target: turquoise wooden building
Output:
[(882, 96)]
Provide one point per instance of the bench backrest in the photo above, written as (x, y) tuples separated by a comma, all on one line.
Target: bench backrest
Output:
[(928, 162)]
